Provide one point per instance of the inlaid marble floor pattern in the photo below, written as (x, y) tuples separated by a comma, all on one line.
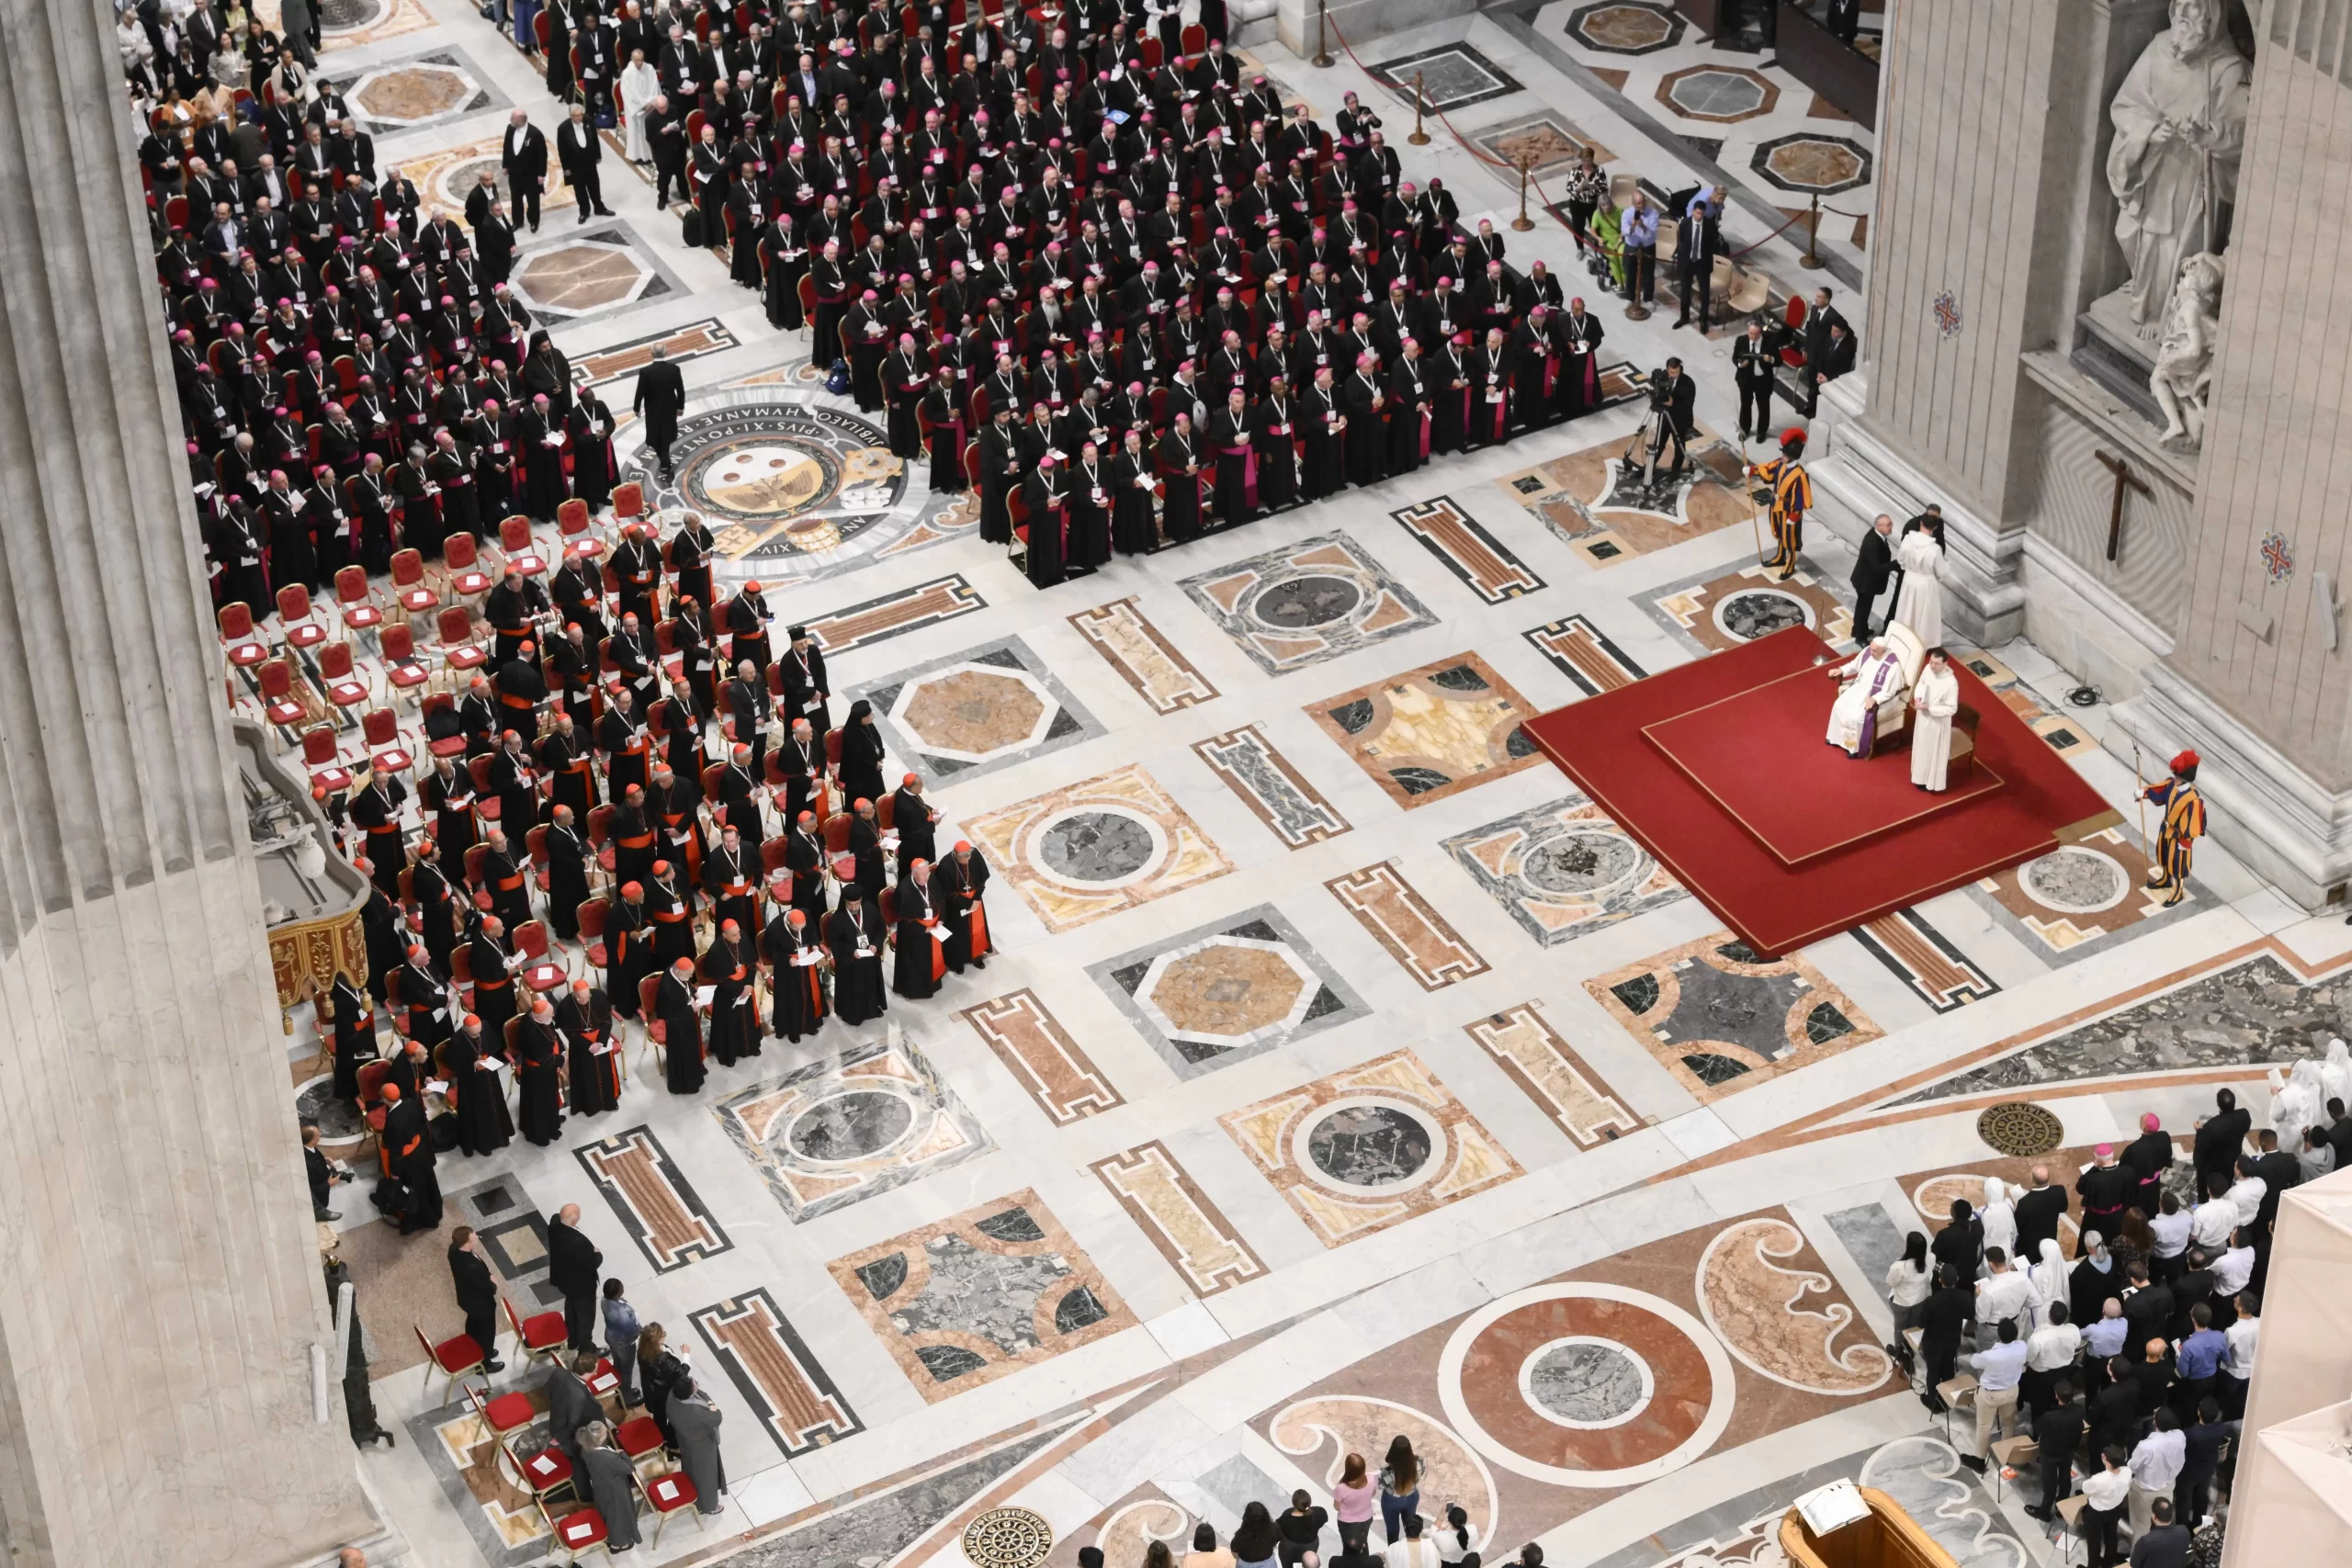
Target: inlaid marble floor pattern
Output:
[(1342, 1071)]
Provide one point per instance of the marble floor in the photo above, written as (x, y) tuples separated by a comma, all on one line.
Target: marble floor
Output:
[(1344, 1072)]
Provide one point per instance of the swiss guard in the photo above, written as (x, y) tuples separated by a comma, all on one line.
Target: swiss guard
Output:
[(2184, 824), (1791, 498)]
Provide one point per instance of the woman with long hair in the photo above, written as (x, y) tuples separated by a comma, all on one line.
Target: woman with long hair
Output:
[(1400, 1486), (1908, 1284), (1353, 1498), (1456, 1542), (658, 1371), (1254, 1541)]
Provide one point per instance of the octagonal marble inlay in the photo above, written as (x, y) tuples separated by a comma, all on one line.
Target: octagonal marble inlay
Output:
[(1809, 164), (986, 707), (572, 277), (408, 95), (1720, 94), (1226, 991)]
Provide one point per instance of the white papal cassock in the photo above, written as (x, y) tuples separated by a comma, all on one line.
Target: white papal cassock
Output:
[(1870, 677)]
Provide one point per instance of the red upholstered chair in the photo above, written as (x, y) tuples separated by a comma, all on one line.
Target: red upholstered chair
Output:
[(448, 746), (466, 576), (458, 650), (457, 1357), (380, 729), (544, 1475), (670, 1493), (591, 915), (639, 1436), (504, 1414), (542, 974), (409, 586), (657, 1033), (1792, 340), (343, 686), (542, 1333), (277, 704), (571, 520), (837, 832), (518, 549), (294, 617), (581, 1529), (772, 856), (629, 501), (238, 638), (356, 600), (319, 755), (487, 807), (403, 671), (600, 833)]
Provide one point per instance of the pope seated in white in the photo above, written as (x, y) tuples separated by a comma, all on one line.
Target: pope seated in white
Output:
[(1870, 678), (1935, 699)]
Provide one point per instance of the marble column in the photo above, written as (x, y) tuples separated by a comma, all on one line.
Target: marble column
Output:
[(165, 1295), (2260, 679)]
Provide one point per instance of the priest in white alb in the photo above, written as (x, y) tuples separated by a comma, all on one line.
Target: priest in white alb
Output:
[(1870, 678), (1935, 699)]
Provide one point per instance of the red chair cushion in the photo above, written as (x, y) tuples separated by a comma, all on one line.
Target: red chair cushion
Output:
[(545, 1329), (465, 656), (458, 1353), (596, 955), (418, 599), (547, 1468), (470, 582), (669, 1493), (244, 654), (638, 1435), (509, 1411), (304, 634), (580, 1530), (406, 674), (362, 615)]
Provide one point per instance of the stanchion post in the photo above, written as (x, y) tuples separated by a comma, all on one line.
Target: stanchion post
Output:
[(1420, 138), (1322, 49), (1526, 165), (1811, 260)]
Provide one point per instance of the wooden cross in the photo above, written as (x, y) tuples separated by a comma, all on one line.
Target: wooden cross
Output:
[(2124, 479)]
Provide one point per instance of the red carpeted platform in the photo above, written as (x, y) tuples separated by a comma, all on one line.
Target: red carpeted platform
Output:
[(1738, 750), (1809, 792)]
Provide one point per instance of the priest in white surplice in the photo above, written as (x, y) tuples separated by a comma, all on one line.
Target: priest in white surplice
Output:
[(1935, 698), (1870, 678), (639, 85)]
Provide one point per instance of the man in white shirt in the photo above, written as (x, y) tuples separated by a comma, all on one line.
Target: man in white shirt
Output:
[(2245, 1194), (2003, 1296), (2211, 1222), (1411, 1551), (2235, 1268), (1999, 1368), (2156, 1465), (2239, 1368), (2048, 1354), (2173, 1230), (2105, 1492)]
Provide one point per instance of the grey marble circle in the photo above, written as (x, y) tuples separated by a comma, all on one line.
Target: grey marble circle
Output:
[(2076, 880), (1586, 1382), (1299, 602), (1760, 612), (344, 16), (1577, 862), (1369, 1146), (1095, 846), (850, 1126), (338, 1119)]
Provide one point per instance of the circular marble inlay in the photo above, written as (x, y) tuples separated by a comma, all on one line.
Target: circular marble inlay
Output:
[(850, 1126), (1586, 1382), (763, 478), (2076, 880), (411, 93), (1007, 1538), (337, 1118), (1370, 1145), (1716, 92), (347, 16), (1761, 612), (799, 477), (2019, 1129), (1581, 862), (1097, 846), (1488, 1387), (1299, 602), (1227, 990)]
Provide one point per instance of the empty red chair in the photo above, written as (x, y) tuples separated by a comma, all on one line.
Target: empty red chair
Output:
[(402, 669), (541, 1334), (571, 519), (582, 1530), (344, 689), (356, 600), (540, 973), (514, 543), (459, 650), (455, 1357), (277, 704), (244, 646), (466, 577), (591, 915), (294, 615), (448, 745), (670, 1494), (319, 755), (640, 1438), (408, 583), (487, 807), (380, 729), (629, 501)]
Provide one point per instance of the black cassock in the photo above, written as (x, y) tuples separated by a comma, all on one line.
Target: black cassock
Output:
[(407, 1146), (1367, 430), (1180, 509), (865, 848), (484, 1124), (567, 879), (674, 1004), (1325, 472), (355, 1037), (922, 961), (628, 954), (1091, 498), (1231, 437), (946, 438), (1409, 387), (796, 990), (1133, 528), (1277, 456), (908, 380), (734, 1020), (854, 932), (1453, 403), (999, 472), (539, 1073), (1048, 498), (596, 1075), (960, 885)]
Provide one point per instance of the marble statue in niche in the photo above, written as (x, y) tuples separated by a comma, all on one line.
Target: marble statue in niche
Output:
[(2183, 377), (2179, 122)]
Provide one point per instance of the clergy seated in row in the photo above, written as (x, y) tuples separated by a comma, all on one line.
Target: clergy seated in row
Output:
[(1874, 691)]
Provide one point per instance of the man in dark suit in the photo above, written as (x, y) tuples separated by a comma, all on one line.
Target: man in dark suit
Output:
[(575, 1267), (1754, 353), (525, 159), (1697, 242), (477, 1294), (1818, 347), (1872, 565), (660, 397), (579, 150), (2219, 1140)]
